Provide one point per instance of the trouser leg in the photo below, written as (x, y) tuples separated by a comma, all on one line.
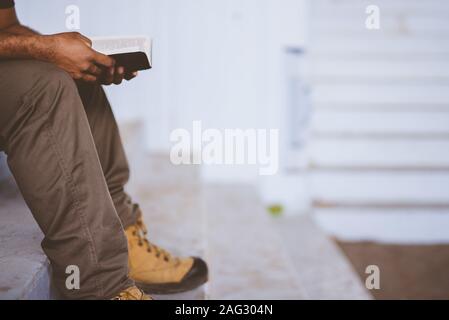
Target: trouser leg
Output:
[(51, 153), (110, 149)]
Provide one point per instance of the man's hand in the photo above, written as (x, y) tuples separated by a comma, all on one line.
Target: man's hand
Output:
[(72, 52), (116, 75)]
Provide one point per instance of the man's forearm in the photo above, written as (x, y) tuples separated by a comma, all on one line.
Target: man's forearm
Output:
[(20, 42), (28, 45)]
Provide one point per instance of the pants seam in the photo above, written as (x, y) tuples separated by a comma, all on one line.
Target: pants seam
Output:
[(75, 194)]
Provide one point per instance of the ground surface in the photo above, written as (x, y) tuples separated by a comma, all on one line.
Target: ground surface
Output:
[(407, 271)]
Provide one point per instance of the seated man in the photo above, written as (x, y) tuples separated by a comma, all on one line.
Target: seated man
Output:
[(64, 150)]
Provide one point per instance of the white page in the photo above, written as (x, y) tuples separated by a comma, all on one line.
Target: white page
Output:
[(115, 45)]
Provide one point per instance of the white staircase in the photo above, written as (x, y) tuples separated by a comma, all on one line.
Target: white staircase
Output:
[(379, 149)]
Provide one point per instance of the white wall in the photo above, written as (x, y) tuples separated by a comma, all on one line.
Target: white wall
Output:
[(219, 61)]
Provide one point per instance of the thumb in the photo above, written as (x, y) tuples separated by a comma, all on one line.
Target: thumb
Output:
[(103, 60)]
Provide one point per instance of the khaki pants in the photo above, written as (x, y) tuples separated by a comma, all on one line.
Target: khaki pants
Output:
[(65, 152)]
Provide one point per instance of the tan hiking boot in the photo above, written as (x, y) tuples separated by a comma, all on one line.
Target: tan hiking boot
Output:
[(132, 293), (155, 270)]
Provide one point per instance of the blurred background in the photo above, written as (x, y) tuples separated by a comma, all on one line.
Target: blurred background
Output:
[(363, 117)]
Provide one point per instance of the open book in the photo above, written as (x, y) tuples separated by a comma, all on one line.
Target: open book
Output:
[(133, 53)]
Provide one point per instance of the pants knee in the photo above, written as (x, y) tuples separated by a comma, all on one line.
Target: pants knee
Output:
[(32, 90), (53, 88), (29, 81)]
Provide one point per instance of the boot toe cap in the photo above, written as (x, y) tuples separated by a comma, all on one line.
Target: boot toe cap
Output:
[(198, 272)]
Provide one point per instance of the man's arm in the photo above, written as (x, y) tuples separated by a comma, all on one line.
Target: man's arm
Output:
[(16, 41), (70, 51)]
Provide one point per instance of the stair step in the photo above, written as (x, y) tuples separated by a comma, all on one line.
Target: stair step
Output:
[(380, 94), (356, 9), (247, 257), (367, 106), (379, 153), (323, 270), (380, 122), (340, 25), (398, 4), (386, 45), (380, 187), (25, 268), (424, 225), (387, 70)]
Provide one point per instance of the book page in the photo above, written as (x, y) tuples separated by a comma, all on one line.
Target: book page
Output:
[(116, 45)]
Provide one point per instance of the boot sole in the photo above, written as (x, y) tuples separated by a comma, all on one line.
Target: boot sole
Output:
[(171, 288), (197, 276)]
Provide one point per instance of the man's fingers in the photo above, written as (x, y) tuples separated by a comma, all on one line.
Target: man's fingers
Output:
[(119, 74), (109, 76), (107, 82), (103, 60), (130, 75), (118, 80), (93, 69)]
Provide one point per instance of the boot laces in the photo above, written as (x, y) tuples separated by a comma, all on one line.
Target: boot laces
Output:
[(141, 233), (131, 294)]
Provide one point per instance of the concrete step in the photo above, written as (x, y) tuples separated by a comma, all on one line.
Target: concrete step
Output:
[(381, 107), (333, 8), (418, 225), (255, 256), (377, 187), (25, 269), (380, 94), (340, 25), (323, 270), (380, 122), (359, 151), (247, 257), (327, 70), (327, 44)]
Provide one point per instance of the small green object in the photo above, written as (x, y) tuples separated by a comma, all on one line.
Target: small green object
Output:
[(276, 210)]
